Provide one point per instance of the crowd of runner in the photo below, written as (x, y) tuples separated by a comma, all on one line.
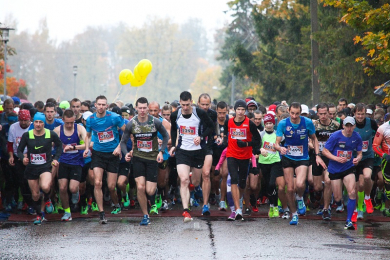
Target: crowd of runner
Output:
[(65, 157)]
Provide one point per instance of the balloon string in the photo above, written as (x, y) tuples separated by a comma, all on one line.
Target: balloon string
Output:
[(119, 92), (136, 96)]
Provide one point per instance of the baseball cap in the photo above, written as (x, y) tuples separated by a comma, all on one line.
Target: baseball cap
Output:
[(305, 109), (369, 111), (87, 114), (16, 100), (349, 120)]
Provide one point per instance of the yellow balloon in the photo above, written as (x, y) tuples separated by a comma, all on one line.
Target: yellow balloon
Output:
[(124, 76), (136, 83), (144, 67), (137, 75)]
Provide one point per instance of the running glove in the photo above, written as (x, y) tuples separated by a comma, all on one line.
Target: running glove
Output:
[(241, 143)]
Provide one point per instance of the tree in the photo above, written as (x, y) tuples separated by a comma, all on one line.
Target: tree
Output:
[(13, 85)]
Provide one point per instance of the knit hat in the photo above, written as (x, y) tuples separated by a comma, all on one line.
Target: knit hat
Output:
[(239, 103), (272, 108), (24, 114), (64, 104), (269, 118), (252, 103)]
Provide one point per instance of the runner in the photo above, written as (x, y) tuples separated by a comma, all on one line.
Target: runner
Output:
[(191, 146), (75, 105), (295, 156), (243, 140), (339, 149), (71, 160), (103, 126), (145, 153), (38, 161)]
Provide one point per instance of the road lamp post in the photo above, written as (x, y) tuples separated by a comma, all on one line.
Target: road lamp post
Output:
[(75, 74), (5, 38)]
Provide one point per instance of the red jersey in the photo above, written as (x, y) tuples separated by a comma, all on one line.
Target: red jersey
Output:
[(242, 133)]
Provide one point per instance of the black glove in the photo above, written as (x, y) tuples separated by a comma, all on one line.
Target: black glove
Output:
[(256, 151), (216, 172), (254, 171), (241, 143)]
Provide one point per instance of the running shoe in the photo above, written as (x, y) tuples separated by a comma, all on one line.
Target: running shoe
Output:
[(164, 206), (20, 205), (126, 202), (264, 200), (238, 216), (132, 203), (369, 207), (38, 220), (340, 208), (194, 202), (94, 206), (187, 217), (205, 210), (354, 217), (286, 215), (84, 210), (349, 225), (383, 207), (31, 211), (49, 206), (158, 201), (222, 206), (103, 219), (320, 212), (294, 220), (232, 216), (326, 215), (145, 220), (271, 212), (360, 214), (213, 200), (276, 212), (67, 217), (386, 213), (116, 210), (255, 209), (55, 209), (25, 207), (301, 207), (153, 210)]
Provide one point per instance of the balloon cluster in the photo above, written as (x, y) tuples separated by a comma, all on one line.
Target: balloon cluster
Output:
[(141, 72)]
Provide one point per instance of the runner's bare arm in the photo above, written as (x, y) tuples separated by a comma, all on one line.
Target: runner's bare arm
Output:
[(82, 133)]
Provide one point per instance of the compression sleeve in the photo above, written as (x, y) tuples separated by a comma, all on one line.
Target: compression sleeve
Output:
[(173, 128), (221, 159), (377, 143), (10, 147), (57, 143), (161, 129), (207, 122), (126, 137)]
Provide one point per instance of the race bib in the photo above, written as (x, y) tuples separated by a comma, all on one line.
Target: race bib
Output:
[(105, 137), (237, 133), (346, 154), (321, 146), (365, 146), (38, 159), (144, 146), (270, 147), (70, 151), (295, 150), (187, 130)]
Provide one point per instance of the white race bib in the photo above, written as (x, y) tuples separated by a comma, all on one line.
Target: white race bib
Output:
[(38, 159), (106, 136), (295, 150), (365, 146), (144, 146)]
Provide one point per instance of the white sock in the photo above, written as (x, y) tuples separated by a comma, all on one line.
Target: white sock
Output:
[(367, 197)]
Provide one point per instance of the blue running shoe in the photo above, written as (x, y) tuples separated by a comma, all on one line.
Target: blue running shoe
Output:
[(301, 207), (145, 221), (349, 225), (294, 220), (205, 210), (49, 206), (38, 220)]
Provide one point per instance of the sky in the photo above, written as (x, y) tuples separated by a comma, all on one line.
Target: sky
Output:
[(68, 18)]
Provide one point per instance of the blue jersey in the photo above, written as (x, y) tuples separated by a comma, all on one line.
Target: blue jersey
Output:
[(51, 127), (105, 135), (72, 157), (342, 146), (296, 137)]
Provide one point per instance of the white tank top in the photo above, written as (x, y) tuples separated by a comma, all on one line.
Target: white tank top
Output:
[(188, 130)]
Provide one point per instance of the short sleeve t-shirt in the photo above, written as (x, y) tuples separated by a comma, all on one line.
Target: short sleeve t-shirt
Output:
[(282, 126), (15, 135), (342, 146)]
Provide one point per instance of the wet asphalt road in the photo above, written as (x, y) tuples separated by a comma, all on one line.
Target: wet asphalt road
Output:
[(216, 238)]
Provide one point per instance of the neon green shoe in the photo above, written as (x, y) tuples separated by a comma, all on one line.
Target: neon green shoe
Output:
[(383, 207), (271, 212), (279, 203), (84, 210), (386, 213), (116, 210), (276, 212), (158, 201), (55, 208), (154, 210), (126, 202), (94, 207)]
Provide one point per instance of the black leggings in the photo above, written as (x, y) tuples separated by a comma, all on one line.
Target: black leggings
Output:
[(238, 170), (269, 172)]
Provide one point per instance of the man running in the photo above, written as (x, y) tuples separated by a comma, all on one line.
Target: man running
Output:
[(103, 126), (39, 161), (191, 146), (339, 149), (75, 105), (145, 153), (71, 160), (296, 130)]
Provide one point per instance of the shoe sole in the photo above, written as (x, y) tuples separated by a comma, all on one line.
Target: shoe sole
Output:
[(186, 220), (69, 219), (37, 224), (294, 224), (239, 217), (103, 222), (206, 213), (231, 219)]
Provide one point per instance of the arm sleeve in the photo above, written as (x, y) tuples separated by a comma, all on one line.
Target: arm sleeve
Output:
[(22, 145), (221, 159), (377, 143), (225, 132), (207, 122), (58, 144), (254, 164), (256, 139), (173, 128), (161, 129), (126, 137), (10, 147)]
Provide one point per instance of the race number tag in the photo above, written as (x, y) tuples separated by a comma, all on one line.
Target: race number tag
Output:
[(295, 150), (105, 137), (38, 159), (70, 151), (270, 147), (321, 146), (365, 146), (346, 154), (237, 133), (144, 146), (187, 130)]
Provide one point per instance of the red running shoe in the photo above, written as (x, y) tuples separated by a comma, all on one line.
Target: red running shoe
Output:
[(187, 217), (354, 217), (255, 209), (369, 207)]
